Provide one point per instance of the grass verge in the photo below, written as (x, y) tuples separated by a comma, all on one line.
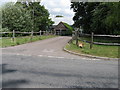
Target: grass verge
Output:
[(5, 42), (97, 50)]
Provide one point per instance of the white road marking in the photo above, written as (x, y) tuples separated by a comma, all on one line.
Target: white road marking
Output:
[(94, 59), (57, 57), (17, 54), (60, 57), (48, 50), (40, 55), (51, 56)]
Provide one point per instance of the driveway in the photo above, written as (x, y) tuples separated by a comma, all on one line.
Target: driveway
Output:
[(44, 64)]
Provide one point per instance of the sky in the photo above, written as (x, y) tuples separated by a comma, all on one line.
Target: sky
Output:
[(59, 7), (56, 7)]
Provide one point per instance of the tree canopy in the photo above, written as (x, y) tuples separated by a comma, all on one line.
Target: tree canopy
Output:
[(25, 16), (97, 17)]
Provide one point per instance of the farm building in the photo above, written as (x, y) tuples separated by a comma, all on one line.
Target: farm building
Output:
[(63, 29)]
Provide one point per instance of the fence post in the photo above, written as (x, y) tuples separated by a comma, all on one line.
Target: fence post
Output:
[(31, 36), (91, 44), (40, 32), (13, 37), (76, 35), (73, 35), (55, 32), (51, 32), (46, 32)]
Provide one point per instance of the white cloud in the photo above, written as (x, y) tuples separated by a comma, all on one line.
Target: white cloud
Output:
[(51, 4), (59, 7), (56, 9), (64, 19), (68, 11), (65, 3)]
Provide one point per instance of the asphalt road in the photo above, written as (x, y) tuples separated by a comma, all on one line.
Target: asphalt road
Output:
[(43, 64)]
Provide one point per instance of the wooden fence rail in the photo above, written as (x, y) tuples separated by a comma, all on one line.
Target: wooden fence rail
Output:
[(92, 35), (99, 43), (31, 33), (100, 35), (21, 32)]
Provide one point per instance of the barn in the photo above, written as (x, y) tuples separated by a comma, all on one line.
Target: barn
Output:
[(63, 29)]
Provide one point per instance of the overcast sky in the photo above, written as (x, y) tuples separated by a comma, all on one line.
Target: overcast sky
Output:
[(59, 7), (56, 7)]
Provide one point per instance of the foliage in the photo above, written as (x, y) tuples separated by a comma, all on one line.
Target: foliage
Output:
[(83, 14), (25, 16), (39, 15), (112, 20), (99, 17), (15, 17), (98, 20)]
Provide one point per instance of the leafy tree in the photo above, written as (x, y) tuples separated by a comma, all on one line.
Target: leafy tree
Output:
[(102, 18), (25, 16), (83, 14), (15, 17), (106, 18), (112, 20), (98, 19), (39, 14)]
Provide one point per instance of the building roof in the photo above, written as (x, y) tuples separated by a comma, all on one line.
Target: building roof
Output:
[(68, 26), (63, 26)]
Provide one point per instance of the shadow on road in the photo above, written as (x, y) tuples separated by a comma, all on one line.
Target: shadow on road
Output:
[(5, 70), (13, 83)]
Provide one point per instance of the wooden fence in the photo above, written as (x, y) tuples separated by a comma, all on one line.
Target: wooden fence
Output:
[(77, 36), (31, 33)]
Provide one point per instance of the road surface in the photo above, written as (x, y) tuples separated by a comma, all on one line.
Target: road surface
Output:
[(43, 64)]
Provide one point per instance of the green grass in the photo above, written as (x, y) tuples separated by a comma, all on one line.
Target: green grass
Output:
[(6, 42), (97, 50)]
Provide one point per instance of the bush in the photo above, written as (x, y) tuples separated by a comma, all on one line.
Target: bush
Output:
[(6, 34)]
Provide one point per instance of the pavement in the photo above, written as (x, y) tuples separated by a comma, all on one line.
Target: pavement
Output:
[(44, 64)]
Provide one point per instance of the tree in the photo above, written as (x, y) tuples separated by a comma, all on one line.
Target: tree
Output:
[(83, 14), (101, 18), (25, 16), (112, 20), (39, 14), (15, 17), (98, 19)]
